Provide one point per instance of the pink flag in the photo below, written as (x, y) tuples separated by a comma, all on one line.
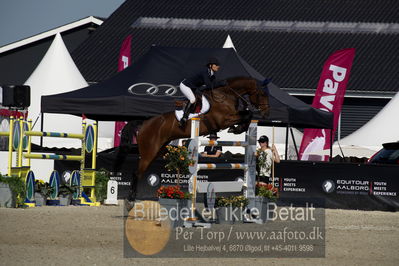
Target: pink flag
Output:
[(124, 54), (329, 97), (124, 61)]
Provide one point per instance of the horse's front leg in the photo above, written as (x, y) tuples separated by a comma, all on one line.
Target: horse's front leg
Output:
[(242, 123)]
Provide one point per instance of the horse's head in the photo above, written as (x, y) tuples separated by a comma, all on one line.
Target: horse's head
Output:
[(258, 97), (261, 101)]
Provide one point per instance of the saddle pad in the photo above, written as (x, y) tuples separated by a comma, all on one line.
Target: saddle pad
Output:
[(204, 109)]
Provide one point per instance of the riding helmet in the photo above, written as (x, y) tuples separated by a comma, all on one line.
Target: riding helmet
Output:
[(213, 60), (263, 139)]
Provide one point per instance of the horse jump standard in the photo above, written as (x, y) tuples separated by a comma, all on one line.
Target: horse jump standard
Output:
[(249, 165), (20, 141)]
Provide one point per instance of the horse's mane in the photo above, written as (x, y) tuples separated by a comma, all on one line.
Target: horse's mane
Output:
[(239, 83), (234, 79)]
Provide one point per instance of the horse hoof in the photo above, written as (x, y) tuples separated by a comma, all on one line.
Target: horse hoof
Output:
[(128, 204)]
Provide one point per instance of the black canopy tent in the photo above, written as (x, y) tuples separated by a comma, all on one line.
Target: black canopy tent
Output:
[(112, 100), (130, 94)]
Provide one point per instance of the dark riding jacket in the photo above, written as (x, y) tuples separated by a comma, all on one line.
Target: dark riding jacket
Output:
[(203, 81), (211, 150)]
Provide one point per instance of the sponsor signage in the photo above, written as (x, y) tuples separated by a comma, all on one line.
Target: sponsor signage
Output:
[(329, 97)]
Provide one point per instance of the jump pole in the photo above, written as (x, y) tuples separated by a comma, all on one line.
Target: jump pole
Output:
[(195, 122), (273, 157)]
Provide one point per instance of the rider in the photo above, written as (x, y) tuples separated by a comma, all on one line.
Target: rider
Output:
[(203, 80)]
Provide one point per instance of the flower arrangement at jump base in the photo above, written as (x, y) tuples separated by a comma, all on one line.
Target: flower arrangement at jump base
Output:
[(174, 201), (172, 192), (266, 191), (43, 188), (178, 160), (42, 192), (230, 209), (232, 201), (266, 194)]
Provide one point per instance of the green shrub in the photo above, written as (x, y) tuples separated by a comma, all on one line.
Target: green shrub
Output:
[(17, 186), (102, 178)]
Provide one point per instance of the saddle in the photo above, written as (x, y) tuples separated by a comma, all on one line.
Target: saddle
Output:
[(196, 108)]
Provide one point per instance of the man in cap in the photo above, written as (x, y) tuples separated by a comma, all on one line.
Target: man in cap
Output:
[(204, 80), (212, 151)]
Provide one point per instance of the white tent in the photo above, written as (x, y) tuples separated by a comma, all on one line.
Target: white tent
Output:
[(382, 128), (229, 43), (350, 150), (57, 73)]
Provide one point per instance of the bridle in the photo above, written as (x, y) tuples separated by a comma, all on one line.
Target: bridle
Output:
[(265, 105)]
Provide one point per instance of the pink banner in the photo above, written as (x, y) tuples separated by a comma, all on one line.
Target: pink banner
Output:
[(329, 97), (124, 61), (124, 54)]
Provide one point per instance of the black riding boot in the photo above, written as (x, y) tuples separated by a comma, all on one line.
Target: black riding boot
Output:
[(186, 113)]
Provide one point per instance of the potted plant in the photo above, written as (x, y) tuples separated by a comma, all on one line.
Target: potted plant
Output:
[(65, 194), (266, 191), (7, 196), (223, 210), (42, 192), (178, 160), (265, 195), (101, 183), (173, 199), (230, 210), (12, 191), (239, 204)]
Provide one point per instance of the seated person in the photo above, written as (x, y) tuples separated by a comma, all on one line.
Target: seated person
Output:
[(212, 151)]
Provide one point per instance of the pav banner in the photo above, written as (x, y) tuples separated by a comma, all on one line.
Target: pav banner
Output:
[(329, 97), (124, 61)]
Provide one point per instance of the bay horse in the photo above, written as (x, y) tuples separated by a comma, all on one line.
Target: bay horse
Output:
[(224, 112)]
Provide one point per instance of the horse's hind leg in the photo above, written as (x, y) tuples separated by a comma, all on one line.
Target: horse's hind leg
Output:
[(150, 142), (146, 157)]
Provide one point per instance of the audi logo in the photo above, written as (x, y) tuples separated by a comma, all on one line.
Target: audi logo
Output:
[(145, 88)]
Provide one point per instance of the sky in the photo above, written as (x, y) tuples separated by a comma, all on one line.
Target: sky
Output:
[(20, 19)]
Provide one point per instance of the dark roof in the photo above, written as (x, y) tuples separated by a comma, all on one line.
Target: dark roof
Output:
[(291, 10), (293, 59)]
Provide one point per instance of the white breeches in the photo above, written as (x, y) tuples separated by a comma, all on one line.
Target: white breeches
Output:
[(187, 92)]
